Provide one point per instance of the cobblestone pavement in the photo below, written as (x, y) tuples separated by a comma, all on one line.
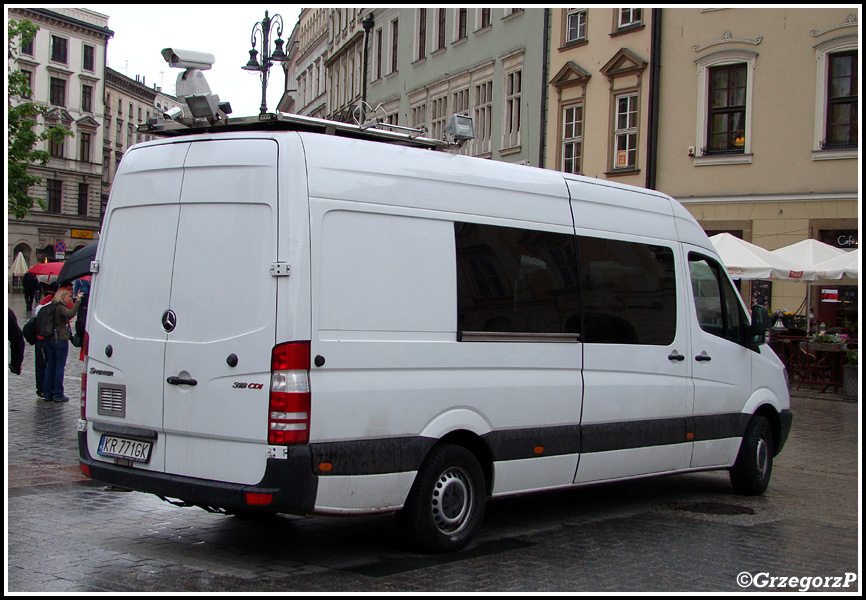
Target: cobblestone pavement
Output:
[(66, 533)]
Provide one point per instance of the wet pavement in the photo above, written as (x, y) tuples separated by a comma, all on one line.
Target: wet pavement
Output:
[(66, 533)]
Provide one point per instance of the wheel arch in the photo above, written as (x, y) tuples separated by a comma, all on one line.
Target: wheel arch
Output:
[(478, 447)]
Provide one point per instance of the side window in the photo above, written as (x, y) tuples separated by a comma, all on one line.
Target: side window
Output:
[(629, 292), (517, 282), (716, 302)]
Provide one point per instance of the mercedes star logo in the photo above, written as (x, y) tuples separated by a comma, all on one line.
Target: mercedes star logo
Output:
[(169, 320)]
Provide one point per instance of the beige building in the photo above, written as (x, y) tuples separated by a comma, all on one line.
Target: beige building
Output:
[(747, 116), (65, 64), (758, 130), (599, 92)]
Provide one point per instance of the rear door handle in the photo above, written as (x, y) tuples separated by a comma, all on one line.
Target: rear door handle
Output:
[(676, 356), (703, 356), (181, 381)]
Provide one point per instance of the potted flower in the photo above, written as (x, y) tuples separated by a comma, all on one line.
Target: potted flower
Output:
[(849, 376), (828, 341)]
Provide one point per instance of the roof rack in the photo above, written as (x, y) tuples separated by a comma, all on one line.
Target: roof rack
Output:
[(371, 130)]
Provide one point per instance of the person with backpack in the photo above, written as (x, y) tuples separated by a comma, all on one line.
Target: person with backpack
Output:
[(39, 345), (57, 345)]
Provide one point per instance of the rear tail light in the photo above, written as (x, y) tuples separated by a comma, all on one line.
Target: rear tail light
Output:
[(289, 405)]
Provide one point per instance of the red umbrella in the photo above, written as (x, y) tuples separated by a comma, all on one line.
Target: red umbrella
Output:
[(46, 272)]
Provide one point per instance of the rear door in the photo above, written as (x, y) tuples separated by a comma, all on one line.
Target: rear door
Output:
[(129, 293), (221, 312)]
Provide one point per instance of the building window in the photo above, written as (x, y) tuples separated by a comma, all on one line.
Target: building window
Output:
[(82, 199), (419, 116), (842, 101), (422, 33), (395, 28), (726, 112), (55, 195), (84, 147), (55, 147), (87, 98), (29, 76), (485, 18), (438, 117), (58, 91), (483, 117), (440, 31), (379, 49), (724, 122), (511, 131), (58, 49), (628, 17), (625, 135), (27, 47), (575, 25), (461, 23), (119, 137), (572, 139), (89, 53), (460, 102)]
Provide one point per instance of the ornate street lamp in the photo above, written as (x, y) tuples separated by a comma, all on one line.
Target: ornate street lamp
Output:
[(264, 30)]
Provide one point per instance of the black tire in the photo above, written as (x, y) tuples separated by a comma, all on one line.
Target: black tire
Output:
[(446, 503), (750, 475)]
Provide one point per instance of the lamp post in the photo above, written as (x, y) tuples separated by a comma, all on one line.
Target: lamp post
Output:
[(264, 30)]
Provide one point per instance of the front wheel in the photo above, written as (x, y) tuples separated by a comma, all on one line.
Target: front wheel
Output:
[(446, 503), (750, 475)]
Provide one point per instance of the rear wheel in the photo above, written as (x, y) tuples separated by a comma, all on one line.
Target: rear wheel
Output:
[(750, 475), (446, 503)]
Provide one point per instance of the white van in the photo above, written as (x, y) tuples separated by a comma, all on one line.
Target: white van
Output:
[(293, 319)]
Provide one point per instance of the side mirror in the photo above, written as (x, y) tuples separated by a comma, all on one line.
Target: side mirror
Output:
[(759, 326)]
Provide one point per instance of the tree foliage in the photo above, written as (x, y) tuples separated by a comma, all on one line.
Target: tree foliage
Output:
[(23, 116)]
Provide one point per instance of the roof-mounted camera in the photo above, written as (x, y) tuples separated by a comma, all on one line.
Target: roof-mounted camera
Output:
[(188, 59), (192, 86)]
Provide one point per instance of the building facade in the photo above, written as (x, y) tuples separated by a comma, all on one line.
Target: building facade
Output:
[(426, 64), (758, 132), (305, 72), (66, 66), (128, 104), (747, 116), (600, 92)]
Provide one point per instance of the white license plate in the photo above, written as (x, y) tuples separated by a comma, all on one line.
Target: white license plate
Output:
[(118, 447)]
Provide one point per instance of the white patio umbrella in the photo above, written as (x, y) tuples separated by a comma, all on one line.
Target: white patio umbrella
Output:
[(19, 265), (807, 254), (748, 261), (846, 264)]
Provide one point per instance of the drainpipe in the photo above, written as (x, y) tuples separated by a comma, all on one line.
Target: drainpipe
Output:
[(367, 24), (655, 67), (545, 66)]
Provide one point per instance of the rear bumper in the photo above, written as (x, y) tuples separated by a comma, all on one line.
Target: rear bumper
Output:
[(290, 481)]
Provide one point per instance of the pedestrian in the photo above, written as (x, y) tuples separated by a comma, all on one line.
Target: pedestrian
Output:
[(39, 348), (57, 347), (16, 344), (30, 284), (81, 285)]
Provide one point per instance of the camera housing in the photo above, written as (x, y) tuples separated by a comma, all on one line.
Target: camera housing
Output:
[(188, 59)]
